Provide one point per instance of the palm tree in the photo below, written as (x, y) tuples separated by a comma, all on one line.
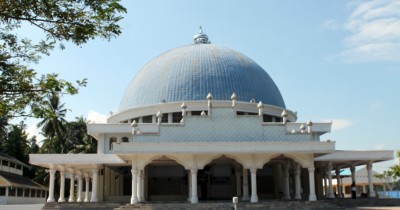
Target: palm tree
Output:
[(78, 141), (3, 131), (53, 123)]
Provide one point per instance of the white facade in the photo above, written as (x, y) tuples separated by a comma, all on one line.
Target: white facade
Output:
[(208, 149)]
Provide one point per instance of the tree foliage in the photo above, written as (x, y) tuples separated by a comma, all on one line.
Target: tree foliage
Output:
[(60, 21)]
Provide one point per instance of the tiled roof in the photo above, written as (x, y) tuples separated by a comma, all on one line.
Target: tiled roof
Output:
[(15, 180), (191, 72)]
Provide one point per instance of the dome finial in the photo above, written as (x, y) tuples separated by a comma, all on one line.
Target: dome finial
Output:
[(201, 38)]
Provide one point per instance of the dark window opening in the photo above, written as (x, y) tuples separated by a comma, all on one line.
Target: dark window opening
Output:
[(43, 193), (196, 112), (125, 139), (267, 118), (2, 191), (33, 193), (239, 113), (147, 119), (164, 118), (12, 164), (278, 119), (20, 192), (38, 193), (5, 163), (176, 117), (11, 191), (19, 167), (112, 140), (135, 119), (252, 113), (26, 194), (126, 121)]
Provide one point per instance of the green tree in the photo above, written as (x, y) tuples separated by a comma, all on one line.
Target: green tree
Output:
[(17, 142), (78, 140), (3, 131), (61, 21), (53, 124)]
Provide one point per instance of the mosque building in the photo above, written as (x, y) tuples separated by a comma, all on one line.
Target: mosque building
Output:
[(198, 123)]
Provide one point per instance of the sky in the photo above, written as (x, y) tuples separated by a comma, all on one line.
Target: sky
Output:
[(333, 61)]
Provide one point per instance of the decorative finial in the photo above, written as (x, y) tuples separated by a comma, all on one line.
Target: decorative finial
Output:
[(201, 38)]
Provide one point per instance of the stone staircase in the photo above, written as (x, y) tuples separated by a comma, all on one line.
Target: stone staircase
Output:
[(334, 204), (279, 205)]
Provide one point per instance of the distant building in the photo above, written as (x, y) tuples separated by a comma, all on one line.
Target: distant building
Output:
[(14, 187), (203, 122), (362, 183)]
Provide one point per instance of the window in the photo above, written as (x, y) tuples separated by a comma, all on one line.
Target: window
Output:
[(19, 167), (252, 113), (176, 117), (38, 193), (5, 163), (196, 112), (2, 191), (26, 194), (147, 119), (43, 193), (135, 119), (20, 192), (278, 119), (112, 140), (267, 118), (239, 113), (33, 193), (12, 164), (125, 139), (164, 118), (11, 191)]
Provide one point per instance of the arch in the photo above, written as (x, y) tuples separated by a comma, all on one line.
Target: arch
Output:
[(172, 157), (210, 159), (302, 162)]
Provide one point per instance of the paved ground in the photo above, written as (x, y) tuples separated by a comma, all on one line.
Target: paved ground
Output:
[(22, 207)]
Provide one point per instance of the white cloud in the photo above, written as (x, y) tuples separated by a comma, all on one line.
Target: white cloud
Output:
[(32, 130), (374, 28), (339, 124), (380, 146), (95, 117), (331, 25)]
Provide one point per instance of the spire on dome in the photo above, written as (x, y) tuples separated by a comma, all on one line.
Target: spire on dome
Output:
[(201, 38)]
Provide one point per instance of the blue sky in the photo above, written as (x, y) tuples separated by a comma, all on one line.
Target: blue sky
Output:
[(332, 60)]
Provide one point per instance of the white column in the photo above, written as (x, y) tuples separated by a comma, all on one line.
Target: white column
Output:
[(52, 173), (329, 172), (353, 174), (87, 179), (62, 187), (246, 196), (139, 186), (71, 187), (189, 186), (286, 194), (238, 184), (297, 180), (254, 196), (95, 174), (193, 173), (79, 196), (325, 186), (338, 184), (370, 183), (312, 197), (134, 198)]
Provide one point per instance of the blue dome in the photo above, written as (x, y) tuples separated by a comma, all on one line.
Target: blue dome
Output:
[(191, 72)]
